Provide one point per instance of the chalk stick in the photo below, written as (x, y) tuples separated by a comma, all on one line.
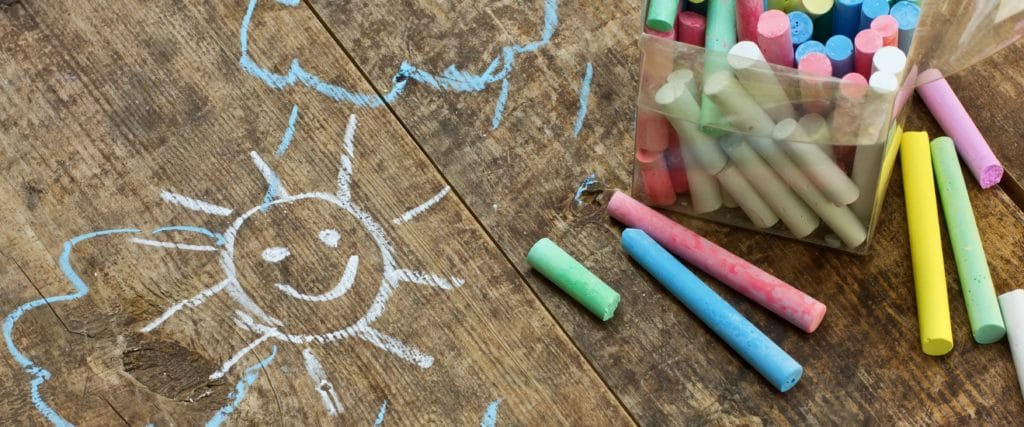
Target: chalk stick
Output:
[(807, 48), (721, 36), (656, 66), (777, 296), (1012, 304), (846, 18), (846, 117), (957, 123), (840, 218), (652, 130), (747, 14), (661, 14), (814, 8), (680, 106), (926, 245), (657, 184), (676, 166), (728, 201), (737, 107), (971, 264), (839, 49), (756, 209), (889, 28), (816, 164), (767, 358), (801, 28), (759, 80), (872, 9), (797, 217), (889, 59), (815, 70), (705, 194), (774, 38), (573, 278), (875, 117), (907, 14), (691, 28), (865, 45), (783, 5)]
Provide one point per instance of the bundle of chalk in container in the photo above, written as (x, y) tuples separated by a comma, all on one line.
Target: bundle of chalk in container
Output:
[(773, 115)]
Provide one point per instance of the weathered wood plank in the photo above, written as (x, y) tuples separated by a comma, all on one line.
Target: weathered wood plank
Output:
[(108, 105), (863, 365)]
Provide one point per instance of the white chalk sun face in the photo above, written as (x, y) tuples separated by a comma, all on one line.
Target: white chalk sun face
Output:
[(311, 254)]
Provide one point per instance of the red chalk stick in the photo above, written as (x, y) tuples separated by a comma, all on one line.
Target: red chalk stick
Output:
[(866, 44), (676, 166), (691, 28), (774, 38), (782, 299), (747, 14), (670, 35), (889, 28), (814, 92), (657, 183), (652, 131)]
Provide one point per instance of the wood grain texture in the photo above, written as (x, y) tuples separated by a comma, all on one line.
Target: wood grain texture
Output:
[(110, 104), (863, 365)]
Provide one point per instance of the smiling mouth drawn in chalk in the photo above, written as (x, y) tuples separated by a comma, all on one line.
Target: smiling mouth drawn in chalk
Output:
[(262, 300)]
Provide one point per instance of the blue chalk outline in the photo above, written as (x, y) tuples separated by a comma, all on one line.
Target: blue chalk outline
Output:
[(38, 373), (451, 79), (581, 115), (286, 140), (252, 373), (587, 182)]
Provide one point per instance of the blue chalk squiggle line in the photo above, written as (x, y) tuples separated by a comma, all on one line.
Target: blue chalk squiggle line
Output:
[(286, 140), (40, 375), (250, 376), (451, 79), (584, 95), (380, 414)]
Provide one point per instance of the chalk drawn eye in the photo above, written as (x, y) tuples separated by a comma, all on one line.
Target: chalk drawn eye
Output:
[(330, 237), (275, 254)]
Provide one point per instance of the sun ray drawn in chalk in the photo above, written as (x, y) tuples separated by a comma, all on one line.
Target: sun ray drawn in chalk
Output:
[(249, 315), (452, 79)]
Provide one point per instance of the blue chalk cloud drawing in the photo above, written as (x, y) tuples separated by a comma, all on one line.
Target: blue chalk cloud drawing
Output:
[(249, 316), (452, 79)]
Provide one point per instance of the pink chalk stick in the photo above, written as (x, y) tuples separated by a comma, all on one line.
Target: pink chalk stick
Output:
[(889, 28), (652, 131), (846, 118), (748, 12), (670, 35), (774, 38), (865, 45), (814, 90), (955, 121), (656, 67), (782, 299), (657, 183), (691, 28), (676, 166)]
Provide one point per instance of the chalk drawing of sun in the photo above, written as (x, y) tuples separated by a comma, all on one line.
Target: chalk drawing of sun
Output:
[(341, 242)]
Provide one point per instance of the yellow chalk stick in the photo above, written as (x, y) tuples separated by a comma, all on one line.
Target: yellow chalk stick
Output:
[(926, 245)]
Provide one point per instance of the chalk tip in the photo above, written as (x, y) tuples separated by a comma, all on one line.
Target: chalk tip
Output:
[(817, 316), (991, 175), (608, 310), (936, 346), (990, 333), (791, 379)]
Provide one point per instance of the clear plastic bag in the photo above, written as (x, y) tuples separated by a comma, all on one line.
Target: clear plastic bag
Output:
[(736, 140)]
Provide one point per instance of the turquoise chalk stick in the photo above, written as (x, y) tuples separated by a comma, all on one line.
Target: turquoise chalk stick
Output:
[(771, 361), (975, 279)]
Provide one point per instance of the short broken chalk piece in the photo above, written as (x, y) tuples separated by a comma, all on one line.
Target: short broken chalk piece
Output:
[(573, 278), (771, 361), (1012, 304)]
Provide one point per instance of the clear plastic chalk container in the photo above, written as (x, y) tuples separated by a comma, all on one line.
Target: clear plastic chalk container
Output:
[(797, 141)]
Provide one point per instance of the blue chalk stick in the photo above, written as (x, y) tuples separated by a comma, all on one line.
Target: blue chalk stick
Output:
[(752, 345), (907, 14), (807, 48), (870, 10), (839, 50), (801, 27), (846, 18)]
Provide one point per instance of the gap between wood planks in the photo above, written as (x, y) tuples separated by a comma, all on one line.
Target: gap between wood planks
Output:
[(476, 219)]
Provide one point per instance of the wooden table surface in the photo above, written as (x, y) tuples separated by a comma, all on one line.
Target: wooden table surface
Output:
[(424, 145)]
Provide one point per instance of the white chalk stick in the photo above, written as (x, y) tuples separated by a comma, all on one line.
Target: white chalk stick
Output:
[(738, 108), (750, 202), (757, 77), (815, 163), (682, 109), (705, 195), (1012, 306)]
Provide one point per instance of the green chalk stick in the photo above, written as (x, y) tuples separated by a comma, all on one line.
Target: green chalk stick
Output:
[(661, 14), (719, 38), (975, 280), (582, 285)]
